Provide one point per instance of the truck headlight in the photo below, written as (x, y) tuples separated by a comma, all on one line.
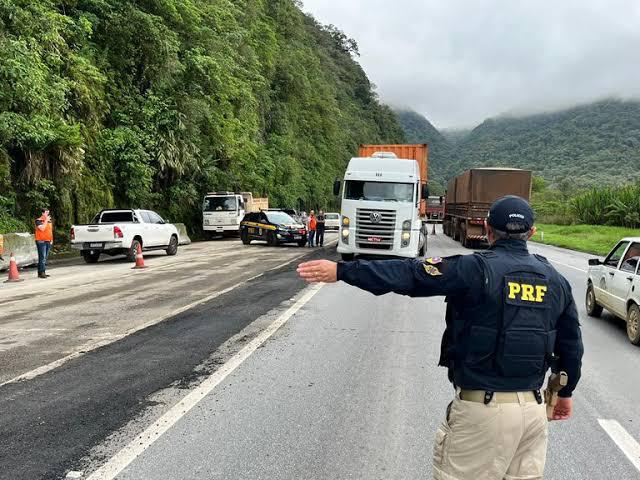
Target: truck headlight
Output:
[(345, 233), (406, 236), (345, 221), (406, 225)]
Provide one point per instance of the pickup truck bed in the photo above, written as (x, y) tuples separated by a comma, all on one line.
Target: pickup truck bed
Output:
[(120, 232)]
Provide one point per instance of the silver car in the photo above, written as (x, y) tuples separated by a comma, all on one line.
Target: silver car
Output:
[(615, 285)]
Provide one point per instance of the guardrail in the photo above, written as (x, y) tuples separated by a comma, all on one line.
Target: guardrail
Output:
[(23, 247)]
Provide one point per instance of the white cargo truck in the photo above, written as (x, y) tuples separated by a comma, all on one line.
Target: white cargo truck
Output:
[(222, 212), (381, 208)]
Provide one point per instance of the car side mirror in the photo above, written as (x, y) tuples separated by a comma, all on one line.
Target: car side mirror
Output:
[(594, 262), (336, 188)]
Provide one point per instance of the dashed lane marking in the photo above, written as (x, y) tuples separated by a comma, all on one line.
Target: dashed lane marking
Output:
[(142, 442), (623, 440)]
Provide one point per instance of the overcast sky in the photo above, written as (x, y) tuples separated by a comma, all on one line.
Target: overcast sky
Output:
[(461, 61)]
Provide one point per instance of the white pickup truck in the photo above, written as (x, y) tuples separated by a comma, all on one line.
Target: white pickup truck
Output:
[(119, 232)]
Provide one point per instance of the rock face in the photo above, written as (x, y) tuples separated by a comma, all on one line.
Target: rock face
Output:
[(23, 247)]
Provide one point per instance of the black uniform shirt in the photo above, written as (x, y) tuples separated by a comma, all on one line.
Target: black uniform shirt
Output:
[(462, 278)]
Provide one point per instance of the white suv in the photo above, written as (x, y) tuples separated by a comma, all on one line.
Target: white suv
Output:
[(615, 285)]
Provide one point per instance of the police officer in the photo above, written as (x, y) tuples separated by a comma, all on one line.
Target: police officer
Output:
[(510, 317)]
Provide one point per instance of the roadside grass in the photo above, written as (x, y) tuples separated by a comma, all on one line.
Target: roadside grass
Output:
[(596, 239)]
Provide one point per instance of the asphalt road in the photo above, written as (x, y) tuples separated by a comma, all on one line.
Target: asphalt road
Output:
[(346, 388)]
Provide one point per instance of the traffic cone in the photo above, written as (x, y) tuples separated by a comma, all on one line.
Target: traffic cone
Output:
[(139, 259), (14, 275), (434, 229)]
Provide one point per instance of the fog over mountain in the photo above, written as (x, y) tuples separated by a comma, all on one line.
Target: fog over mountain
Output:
[(461, 62)]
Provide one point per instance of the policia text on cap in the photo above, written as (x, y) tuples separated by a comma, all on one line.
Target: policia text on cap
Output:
[(510, 315)]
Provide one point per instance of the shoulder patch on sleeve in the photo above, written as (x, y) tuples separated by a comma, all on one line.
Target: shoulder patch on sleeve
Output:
[(433, 260), (432, 270)]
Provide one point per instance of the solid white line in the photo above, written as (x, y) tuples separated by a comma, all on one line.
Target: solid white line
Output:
[(36, 372), (93, 346), (568, 266), (623, 439), (143, 441)]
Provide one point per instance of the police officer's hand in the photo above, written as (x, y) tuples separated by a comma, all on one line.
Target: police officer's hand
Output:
[(319, 271), (563, 409)]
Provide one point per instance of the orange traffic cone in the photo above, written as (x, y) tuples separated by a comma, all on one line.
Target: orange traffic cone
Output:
[(139, 259), (14, 275)]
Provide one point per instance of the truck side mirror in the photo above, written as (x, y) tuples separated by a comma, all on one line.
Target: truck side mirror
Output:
[(336, 188), (425, 191), (441, 199)]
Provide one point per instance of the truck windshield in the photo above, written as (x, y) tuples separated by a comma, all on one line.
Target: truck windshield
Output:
[(378, 191), (220, 204)]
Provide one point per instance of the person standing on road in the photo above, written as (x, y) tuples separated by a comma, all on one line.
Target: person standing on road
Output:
[(510, 316), (320, 229), (312, 225), (44, 241)]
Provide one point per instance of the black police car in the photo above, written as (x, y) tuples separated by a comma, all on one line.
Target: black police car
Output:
[(274, 227)]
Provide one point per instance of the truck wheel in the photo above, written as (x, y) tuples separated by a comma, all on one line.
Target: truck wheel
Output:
[(303, 242), (348, 257), (173, 246), (133, 250), (593, 309), (244, 236), (633, 324), (90, 256), (272, 240)]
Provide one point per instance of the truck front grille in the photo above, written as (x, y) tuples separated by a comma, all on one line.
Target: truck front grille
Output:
[(375, 228)]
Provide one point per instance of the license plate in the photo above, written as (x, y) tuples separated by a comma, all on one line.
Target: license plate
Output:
[(95, 245), (297, 237), (374, 239)]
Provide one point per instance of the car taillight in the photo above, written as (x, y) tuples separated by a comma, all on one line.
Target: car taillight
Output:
[(117, 233), (302, 231), (72, 234)]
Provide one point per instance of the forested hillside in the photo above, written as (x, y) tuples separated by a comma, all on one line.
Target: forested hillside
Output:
[(589, 145), (151, 103), (441, 155)]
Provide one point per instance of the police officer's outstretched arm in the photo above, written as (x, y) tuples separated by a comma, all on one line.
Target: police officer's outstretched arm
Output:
[(569, 350), (415, 278)]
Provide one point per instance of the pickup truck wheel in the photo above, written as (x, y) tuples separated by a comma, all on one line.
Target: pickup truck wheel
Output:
[(303, 242), (173, 246), (244, 236), (592, 307), (133, 250), (90, 256), (633, 324)]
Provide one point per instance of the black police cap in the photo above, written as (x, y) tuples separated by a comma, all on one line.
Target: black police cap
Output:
[(511, 214)]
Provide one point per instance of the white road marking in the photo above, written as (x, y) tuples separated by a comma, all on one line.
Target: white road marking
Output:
[(143, 441), (111, 339), (568, 266), (623, 440)]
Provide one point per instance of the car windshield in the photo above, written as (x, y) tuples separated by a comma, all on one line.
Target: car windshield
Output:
[(378, 191), (280, 218), (220, 204)]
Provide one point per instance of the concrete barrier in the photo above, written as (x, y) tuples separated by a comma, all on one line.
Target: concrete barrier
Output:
[(23, 247), (183, 235)]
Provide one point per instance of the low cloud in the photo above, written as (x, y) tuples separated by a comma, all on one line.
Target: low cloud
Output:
[(459, 62)]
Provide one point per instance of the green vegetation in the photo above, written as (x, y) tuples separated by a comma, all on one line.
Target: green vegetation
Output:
[(152, 103), (592, 145), (441, 156), (595, 239)]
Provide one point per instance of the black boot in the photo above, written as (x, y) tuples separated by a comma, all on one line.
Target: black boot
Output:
[(42, 275)]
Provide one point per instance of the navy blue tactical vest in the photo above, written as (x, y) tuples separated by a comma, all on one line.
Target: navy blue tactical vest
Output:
[(505, 342)]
